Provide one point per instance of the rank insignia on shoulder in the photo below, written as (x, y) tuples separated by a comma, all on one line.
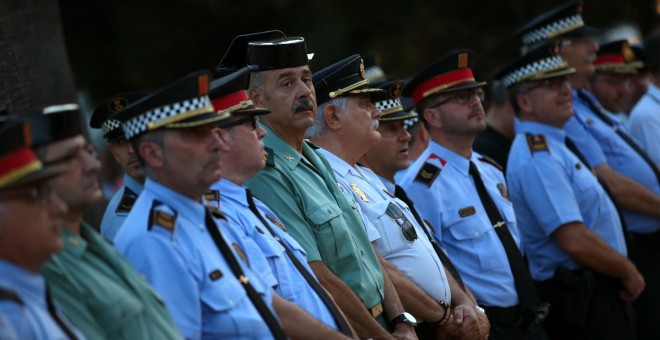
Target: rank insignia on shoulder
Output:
[(126, 202), (359, 192), (270, 156), (212, 195), (215, 211), (467, 211), (276, 222), (503, 191), (240, 253), (215, 275), (427, 174), (162, 216), (486, 159), (537, 143)]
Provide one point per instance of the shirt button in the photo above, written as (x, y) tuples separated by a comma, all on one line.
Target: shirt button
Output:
[(476, 233)]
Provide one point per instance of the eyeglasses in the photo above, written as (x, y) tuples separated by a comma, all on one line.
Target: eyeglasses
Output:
[(555, 83), (397, 215), (79, 153), (463, 97), (251, 120), (576, 41), (40, 194)]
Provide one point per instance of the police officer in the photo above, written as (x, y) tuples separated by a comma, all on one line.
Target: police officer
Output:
[(572, 234), (627, 171), (98, 290), (345, 129), (464, 195), (298, 185), (29, 235), (242, 157), (122, 201)]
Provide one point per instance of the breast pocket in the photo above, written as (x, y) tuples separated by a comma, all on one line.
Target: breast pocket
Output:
[(219, 300), (391, 239), (333, 239), (585, 186), (467, 236)]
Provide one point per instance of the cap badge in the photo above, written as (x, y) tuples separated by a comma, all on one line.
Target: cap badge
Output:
[(628, 54), (361, 68), (117, 104), (462, 60), (395, 90)]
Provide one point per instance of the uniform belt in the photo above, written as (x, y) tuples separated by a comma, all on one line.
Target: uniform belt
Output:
[(505, 316), (376, 310)]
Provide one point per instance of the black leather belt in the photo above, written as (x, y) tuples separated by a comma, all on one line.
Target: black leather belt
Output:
[(505, 316)]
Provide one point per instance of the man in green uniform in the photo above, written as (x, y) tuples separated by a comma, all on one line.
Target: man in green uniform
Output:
[(97, 289), (298, 185)]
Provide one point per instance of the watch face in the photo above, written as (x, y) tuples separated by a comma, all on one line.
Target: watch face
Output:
[(409, 319)]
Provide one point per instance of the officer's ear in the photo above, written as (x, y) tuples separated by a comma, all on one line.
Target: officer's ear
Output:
[(330, 116), (255, 95), (223, 135), (524, 103), (152, 153)]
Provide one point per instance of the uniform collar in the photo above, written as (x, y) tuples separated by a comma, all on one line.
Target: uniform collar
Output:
[(543, 129), (459, 162), (74, 244), (338, 165), (388, 185), (29, 286), (231, 191), (133, 184), (282, 150), (184, 206), (654, 91)]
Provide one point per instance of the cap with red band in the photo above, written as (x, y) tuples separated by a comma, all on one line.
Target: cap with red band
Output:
[(615, 57), (230, 100), (452, 72)]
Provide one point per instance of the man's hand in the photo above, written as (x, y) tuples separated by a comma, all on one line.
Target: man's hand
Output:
[(465, 323), (633, 285)]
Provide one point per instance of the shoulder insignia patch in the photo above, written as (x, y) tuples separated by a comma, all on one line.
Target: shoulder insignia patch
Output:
[(270, 156), (486, 159), (162, 216), (215, 211), (536, 143), (276, 222), (126, 202), (10, 295), (503, 191), (240, 253), (212, 195), (215, 275), (467, 211), (427, 174)]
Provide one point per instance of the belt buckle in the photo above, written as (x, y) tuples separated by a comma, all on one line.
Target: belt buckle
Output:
[(376, 310)]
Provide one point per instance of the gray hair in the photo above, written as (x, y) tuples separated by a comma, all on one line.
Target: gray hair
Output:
[(318, 128)]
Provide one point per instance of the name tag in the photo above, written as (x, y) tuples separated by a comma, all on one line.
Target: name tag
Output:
[(465, 212)]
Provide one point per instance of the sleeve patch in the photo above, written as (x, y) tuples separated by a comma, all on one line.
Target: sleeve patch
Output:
[(126, 202), (427, 174), (162, 216)]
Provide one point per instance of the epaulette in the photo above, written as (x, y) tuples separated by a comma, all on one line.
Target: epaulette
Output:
[(212, 195), (127, 200), (10, 295), (427, 174), (270, 156), (160, 215), (311, 145), (490, 161), (536, 143), (215, 211)]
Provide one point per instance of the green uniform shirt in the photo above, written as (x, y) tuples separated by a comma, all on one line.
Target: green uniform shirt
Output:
[(304, 194), (102, 294)]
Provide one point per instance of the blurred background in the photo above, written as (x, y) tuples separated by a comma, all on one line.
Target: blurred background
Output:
[(130, 45)]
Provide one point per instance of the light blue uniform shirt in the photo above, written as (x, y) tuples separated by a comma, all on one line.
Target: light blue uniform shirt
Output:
[(181, 261), (119, 207), (263, 247), (416, 259), (449, 200), (29, 319), (595, 139), (550, 188), (644, 123)]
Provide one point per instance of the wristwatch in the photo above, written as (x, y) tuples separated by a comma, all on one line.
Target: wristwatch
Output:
[(404, 317)]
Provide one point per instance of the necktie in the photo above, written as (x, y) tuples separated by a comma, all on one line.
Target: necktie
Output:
[(607, 120), (257, 301), (521, 277), (58, 319), (332, 307), (446, 262)]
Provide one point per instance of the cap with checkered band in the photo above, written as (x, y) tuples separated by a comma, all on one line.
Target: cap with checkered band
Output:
[(389, 102), (102, 116), (543, 62)]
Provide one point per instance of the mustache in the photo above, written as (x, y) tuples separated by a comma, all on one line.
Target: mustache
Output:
[(303, 105)]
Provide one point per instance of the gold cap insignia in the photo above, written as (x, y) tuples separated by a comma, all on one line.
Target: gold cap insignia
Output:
[(462, 60), (203, 84), (117, 104), (628, 54), (359, 192), (396, 89), (361, 68)]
